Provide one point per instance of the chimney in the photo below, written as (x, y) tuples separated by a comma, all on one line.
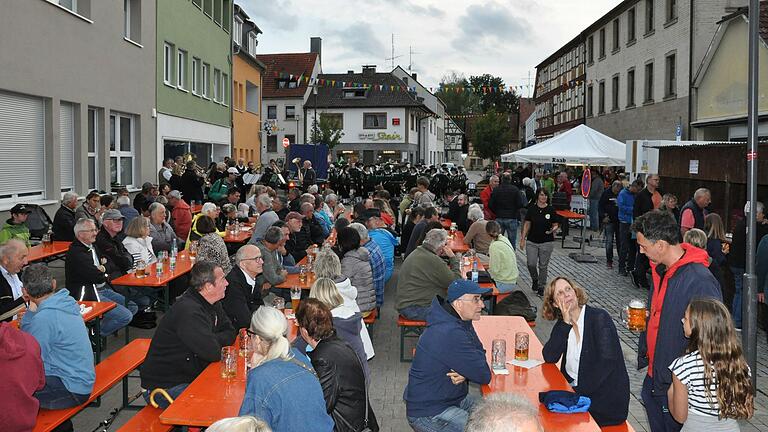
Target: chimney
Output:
[(350, 72), (413, 75), (369, 70), (316, 46)]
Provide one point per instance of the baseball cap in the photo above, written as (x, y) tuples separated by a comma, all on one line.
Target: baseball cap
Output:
[(233, 170), (21, 209), (174, 194), (459, 287), (112, 214), (293, 215)]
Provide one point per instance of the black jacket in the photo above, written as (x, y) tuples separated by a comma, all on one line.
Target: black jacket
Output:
[(241, 300), (738, 255), (341, 377), (602, 373), (79, 268), (298, 242), (315, 230), (458, 214), (607, 207), (191, 186), (189, 337), (309, 177), (64, 224), (506, 201), (119, 260), (282, 213), (6, 294), (643, 202)]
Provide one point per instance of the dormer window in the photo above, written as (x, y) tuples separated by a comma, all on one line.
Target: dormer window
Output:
[(237, 34), (285, 83), (252, 43), (354, 93)]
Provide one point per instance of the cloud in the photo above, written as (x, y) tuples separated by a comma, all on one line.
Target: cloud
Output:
[(273, 14), (359, 39), (488, 26), (409, 7)]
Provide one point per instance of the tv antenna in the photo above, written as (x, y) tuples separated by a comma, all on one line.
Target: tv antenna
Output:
[(392, 59), (411, 52)]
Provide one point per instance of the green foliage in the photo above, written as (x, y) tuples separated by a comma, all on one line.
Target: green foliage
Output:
[(327, 131), (492, 135), (458, 103), (502, 102)]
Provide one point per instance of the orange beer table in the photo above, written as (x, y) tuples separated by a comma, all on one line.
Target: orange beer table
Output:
[(529, 382), (242, 236), (197, 208), (457, 242), (183, 265), (446, 223), (49, 252), (210, 397), (567, 215)]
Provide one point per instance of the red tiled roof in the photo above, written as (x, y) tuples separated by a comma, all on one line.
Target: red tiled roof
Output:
[(297, 64), (527, 106)]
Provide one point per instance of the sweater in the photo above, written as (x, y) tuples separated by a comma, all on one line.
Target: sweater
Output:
[(21, 375), (424, 275), (477, 238), (265, 220), (140, 249), (64, 346), (356, 265), (163, 237), (387, 243), (503, 263)]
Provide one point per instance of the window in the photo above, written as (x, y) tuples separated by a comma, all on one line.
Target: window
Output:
[(181, 69), (287, 83), (601, 98), (252, 43), (631, 88), (272, 112), (374, 120), (251, 97), (67, 147), (615, 35), (22, 147), (354, 93), (237, 31), (132, 20), (206, 87), (224, 89), (198, 3), (216, 84), (335, 119), (272, 144), (208, 7), (670, 78), (217, 18), (590, 94), (649, 27), (615, 93), (602, 43), (226, 13), (671, 11), (79, 7), (93, 149), (195, 75), (168, 63), (121, 148), (648, 83), (290, 112), (291, 139), (631, 25), (591, 49)]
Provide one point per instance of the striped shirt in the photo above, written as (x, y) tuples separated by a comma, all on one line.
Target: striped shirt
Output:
[(689, 369)]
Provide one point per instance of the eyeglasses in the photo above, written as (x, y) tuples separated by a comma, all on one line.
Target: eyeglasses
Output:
[(257, 259), (250, 333)]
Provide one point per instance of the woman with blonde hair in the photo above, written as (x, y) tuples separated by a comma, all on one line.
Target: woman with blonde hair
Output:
[(711, 388), (585, 341), (282, 388), (138, 242)]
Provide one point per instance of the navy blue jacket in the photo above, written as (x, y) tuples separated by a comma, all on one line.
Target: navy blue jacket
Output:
[(448, 343), (602, 373)]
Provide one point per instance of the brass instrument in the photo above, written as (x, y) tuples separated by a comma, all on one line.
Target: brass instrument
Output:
[(300, 175)]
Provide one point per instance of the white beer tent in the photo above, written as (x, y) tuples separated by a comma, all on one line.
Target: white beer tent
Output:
[(581, 145)]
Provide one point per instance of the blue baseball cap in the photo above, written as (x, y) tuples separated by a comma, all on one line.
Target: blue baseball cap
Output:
[(459, 287)]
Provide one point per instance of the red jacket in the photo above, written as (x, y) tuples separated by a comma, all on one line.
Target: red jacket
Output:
[(485, 197), (21, 375), (181, 219)]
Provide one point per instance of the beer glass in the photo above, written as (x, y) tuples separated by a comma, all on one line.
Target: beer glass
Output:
[(634, 315), (521, 346), (244, 343), (499, 354), (192, 250), (303, 274), (278, 303), (295, 298), (141, 269), (228, 363)]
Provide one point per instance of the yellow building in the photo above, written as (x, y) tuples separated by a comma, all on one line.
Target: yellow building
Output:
[(719, 107), (246, 90)]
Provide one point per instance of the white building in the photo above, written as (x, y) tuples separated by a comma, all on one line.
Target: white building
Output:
[(454, 141)]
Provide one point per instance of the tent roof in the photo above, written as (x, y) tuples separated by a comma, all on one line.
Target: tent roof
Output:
[(580, 145)]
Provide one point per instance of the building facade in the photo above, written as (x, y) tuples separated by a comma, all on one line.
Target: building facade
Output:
[(76, 98), (246, 89), (381, 120), (284, 93), (454, 141), (194, 79)]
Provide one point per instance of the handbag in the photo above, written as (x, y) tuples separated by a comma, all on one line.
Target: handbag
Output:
[(482, 276)]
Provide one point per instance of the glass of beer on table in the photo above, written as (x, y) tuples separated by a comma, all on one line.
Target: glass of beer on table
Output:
[(303, 274), (228, 362), (278, 303), (522, 341), (141, 269), (295, 298), (244, 343), (193, 250), (634, 315)]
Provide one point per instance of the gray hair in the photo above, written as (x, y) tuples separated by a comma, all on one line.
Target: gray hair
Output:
[(617, 183), (80, 225), (331, 197), (12, 247), (155, 206), (307, 197), (700, 192), (361, 229), (241, 253), (312, 189), (307, 206), (123, 200), (435, 238), (503, 411), (68, 198), (474, 213), (240, 424), (202, 273), (758, 205), (273, 235), (264, 200), (327, 264), (208, 207), (270, 325), (37, 280)]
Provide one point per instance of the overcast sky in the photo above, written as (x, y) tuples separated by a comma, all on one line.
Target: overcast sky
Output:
[(506, 38)]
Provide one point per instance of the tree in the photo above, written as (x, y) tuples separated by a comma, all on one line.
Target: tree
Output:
[(491, 135), (458, 102), (326, 131), (502, 102)]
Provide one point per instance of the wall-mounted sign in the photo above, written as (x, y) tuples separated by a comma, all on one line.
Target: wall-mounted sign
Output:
[(693, 166), (270, 127), (390, 152), (395, 121), (381, 136), (348, 152), (286, 142)]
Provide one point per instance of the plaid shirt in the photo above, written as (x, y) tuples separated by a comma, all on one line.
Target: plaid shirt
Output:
[(378, 268)]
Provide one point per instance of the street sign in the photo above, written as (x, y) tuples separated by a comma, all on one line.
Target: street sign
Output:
[(586, 183), (286, 142)]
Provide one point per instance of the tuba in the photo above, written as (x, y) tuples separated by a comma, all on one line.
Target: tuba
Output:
[(300, 174)]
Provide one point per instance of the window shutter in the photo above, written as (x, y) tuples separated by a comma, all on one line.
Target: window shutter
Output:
[(22, 147), (67, 146)]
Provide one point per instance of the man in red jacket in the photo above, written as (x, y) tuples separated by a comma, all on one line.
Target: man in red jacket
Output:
[(181, 215), (21, 375), (485, 197)]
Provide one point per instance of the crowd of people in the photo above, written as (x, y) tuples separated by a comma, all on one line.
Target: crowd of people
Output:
[(696, 379)]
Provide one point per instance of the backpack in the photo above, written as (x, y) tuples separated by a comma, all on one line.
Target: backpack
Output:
[(516, 304)]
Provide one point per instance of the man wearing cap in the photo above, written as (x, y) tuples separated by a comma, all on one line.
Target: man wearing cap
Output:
[(181, 214), (300, 239), (220, 188), (16, 226), (449, 355)]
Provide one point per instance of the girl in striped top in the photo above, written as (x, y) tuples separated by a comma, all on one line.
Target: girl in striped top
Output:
[(711, 388)]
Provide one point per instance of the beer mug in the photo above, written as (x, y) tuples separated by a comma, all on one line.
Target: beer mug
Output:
[(192, 250), (295, 298), (522, 341), (278, 303), (141, 269), (499, 354), (228, 362), (244, 343), (303, 274), (634, 315)]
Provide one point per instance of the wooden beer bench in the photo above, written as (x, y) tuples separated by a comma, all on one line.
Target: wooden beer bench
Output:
[(109, 372), (409, 329), (146, 420)]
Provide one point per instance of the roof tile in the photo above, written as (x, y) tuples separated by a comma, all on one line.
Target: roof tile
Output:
[(297, 64)]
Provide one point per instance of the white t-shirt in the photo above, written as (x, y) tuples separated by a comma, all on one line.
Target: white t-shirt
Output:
[(689, 369), (573, 354)]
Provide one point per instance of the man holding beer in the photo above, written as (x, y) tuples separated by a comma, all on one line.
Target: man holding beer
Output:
[(448, 354), (680, 274)]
